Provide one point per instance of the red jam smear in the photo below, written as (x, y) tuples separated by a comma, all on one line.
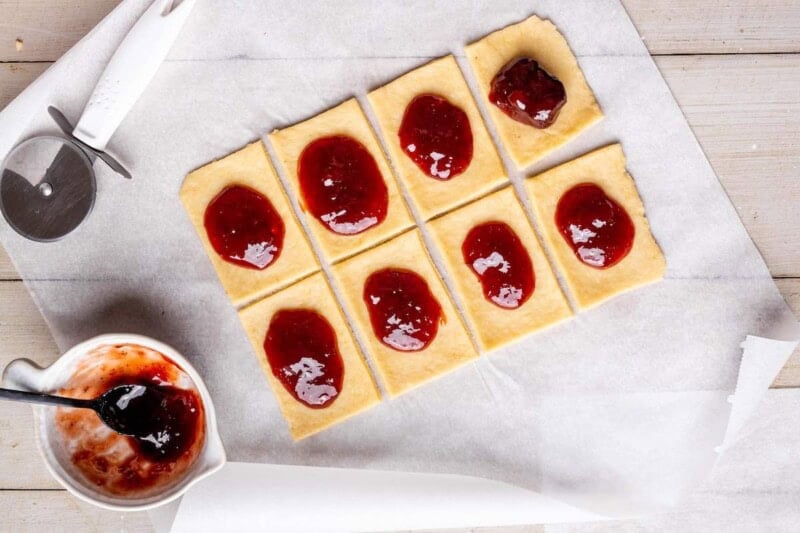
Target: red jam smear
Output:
[(123, 465), (244, 228), (496, 255), (303, 354), (527, 93), (436, 135), (404, 314), (341, 185), (597, 228)]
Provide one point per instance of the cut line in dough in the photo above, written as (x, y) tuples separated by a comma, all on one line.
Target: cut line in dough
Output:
[(358, 392), (402, 371), (496, 327), (250, 167), (441, 77), (345, 119)]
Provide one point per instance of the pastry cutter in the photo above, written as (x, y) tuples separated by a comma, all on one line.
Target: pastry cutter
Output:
[(47, 183)]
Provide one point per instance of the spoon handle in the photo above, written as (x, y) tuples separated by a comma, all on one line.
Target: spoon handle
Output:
[(35, 397)]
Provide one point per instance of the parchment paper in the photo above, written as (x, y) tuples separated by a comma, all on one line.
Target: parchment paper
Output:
[(755, 487), (617, 411)]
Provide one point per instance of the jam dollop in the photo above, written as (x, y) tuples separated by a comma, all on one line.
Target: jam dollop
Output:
[(244, 228), (496, 255), (597, 228), (303, 354), (341, 185), (404, 314), (125, 465), (436, 135), (527, 93), (161, 419)]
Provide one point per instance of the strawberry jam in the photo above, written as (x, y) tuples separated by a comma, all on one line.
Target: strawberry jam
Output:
[(303, 354), (597, 228), (436, 135), (405, 315), (165, 427), (495, 254), (527, 93), (244, 228), (161, 419), (341, 185)]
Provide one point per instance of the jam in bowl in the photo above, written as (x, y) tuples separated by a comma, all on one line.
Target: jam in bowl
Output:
[(109, 469)]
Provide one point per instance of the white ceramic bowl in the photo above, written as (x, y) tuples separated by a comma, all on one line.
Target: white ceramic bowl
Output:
[(25, 375)]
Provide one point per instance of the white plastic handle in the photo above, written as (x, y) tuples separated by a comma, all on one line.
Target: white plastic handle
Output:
[(130, 70)]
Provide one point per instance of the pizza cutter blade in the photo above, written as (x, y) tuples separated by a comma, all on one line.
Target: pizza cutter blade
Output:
[(47, 188), (47, 184)]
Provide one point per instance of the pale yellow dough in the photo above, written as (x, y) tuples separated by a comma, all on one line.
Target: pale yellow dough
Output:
[(540, 40), (606, 168), (346, 119), (402, 371), (359, 391), (249, 167), (441, 77), (494, 325)]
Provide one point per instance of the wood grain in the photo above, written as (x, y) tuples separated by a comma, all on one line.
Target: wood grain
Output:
[(23, 333), (790, 375), (37, 511), (48, 28), (743, 108), (14, 77), (717, 27)]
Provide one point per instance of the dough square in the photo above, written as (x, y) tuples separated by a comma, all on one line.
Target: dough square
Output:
[(249, 167), (540, 40), (605, 168), (345, 119), (495, 326), (431, 197), (402, 371), (359, 391)]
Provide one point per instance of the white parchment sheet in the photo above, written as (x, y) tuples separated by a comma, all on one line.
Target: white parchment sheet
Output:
[(617, 411)]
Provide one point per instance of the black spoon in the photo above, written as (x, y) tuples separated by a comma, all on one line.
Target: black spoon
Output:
[(124, 408)]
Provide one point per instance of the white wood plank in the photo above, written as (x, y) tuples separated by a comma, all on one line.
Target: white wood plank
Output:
[(7, 270), (48, 28), (37, 511), (718, 26), (790, 375), (21, 464), (14, 77), (23, 333), (722, 97), (708, 88), (744, 111)]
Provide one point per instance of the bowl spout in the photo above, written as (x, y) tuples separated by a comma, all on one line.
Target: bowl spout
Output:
[(24, 374)]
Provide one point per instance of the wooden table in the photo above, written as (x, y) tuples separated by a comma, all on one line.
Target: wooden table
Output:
[(734, 67)]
